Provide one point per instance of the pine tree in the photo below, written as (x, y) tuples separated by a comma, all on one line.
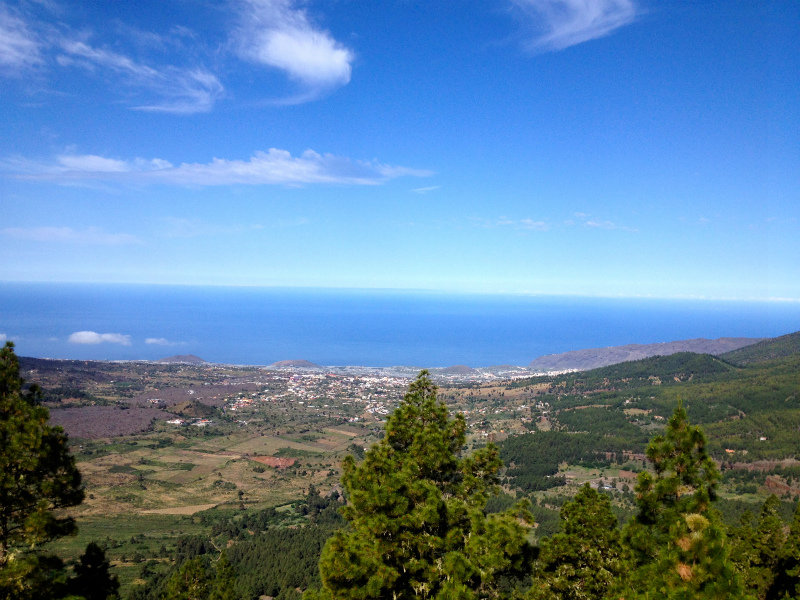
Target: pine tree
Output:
[(38, 477), (415, 510), (225, 580), (742, 543), (92, 579), (678, 543), (786, 585), (585, 559), (190, 582), (755, 552)]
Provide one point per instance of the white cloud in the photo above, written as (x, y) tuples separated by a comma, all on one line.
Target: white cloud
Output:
[(67, 235), (3, 338), (425, 190), (534, 225), (178, 90), (276, 34), (267, 33), (99, 164), (564, 23), (158, 341), (275, 167), (529, 224), (19, 47), (27, 39), (598, 224), (92, 337)]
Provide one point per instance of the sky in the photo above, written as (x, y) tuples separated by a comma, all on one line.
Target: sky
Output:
[(568, 147)]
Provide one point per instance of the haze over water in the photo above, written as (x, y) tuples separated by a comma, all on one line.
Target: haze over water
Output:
[(347, 327)]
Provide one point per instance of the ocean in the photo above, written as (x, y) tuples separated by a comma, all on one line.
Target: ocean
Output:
[(259, 326)]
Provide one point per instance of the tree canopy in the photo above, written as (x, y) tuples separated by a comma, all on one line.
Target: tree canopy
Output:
[(38, 476), (417, 528), (587, 557), (677, 540)]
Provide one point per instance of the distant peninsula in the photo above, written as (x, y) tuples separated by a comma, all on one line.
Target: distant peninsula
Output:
[(593, 358), (182, 359), (300, 363)]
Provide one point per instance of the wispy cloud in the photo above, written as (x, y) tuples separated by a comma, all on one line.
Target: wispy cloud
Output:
[(167, 71), (161, 342), (19, 47), (92, 338), (67, 235), (174, 89), (529, 224), (3, 338), (274, 167), (599, 224), (563, 23), (277, 34), (425, 190)]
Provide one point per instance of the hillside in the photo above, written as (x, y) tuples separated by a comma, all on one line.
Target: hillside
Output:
[(593, 358), (770, 349), (681, 366)]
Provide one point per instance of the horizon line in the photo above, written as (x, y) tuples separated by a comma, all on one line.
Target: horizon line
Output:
[(416, 290)]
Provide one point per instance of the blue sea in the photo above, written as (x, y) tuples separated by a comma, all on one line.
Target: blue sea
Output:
[(259, 326)]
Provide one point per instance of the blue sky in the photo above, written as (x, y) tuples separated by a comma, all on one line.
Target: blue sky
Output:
[(589, 147)]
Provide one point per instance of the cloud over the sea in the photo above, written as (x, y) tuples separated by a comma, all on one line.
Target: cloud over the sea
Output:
[(274, 167), (68, 235), (92, 337), (160, 342)]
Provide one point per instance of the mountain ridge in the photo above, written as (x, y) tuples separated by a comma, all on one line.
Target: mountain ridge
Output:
[(593, 358)]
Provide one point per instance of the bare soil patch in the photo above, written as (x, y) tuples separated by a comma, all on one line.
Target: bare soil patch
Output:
[(92, 422), (210, 395), (179, 510)]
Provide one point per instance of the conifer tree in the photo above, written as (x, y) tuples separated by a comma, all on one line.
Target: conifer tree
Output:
[(92, 579), (786, 585), (37, 478), (224, 581), (415, 510), (678, 543), (742, 542), (755, 552), (587, 557), (190, 582)]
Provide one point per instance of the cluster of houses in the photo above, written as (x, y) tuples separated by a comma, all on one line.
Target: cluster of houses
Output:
[(192, 422)]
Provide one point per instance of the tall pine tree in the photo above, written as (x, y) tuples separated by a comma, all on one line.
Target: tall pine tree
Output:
[(38, 477), (677, 539), (755, 552), (786, 585), (417, 528), (92, 579), (586, 558)]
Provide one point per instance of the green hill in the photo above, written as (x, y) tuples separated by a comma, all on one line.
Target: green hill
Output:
[(779, 347), (681, 365)]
